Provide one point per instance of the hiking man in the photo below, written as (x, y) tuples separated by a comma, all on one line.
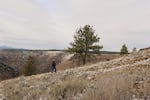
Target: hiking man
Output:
[(53, 66)]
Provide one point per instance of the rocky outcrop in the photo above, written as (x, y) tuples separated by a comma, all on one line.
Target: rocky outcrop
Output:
[(7, 71)]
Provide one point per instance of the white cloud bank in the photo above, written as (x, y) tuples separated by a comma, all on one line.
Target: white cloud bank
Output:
[(46, 24)]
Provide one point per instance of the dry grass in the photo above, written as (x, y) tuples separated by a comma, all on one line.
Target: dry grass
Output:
[(68, 90), (46, 91), (66, 65), (110, 88), (74, 62), (121, 85), (116, 85)]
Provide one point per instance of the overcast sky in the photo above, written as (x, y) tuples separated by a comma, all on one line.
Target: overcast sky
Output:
[(50, 24)]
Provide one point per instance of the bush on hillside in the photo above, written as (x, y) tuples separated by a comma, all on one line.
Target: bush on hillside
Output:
[(30, 67)]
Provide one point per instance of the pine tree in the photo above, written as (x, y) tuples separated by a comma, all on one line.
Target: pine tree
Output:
[(85, 41), (124, 49), (30, 67)]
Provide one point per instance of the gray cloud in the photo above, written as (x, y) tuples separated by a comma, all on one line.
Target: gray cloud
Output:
[(51, 23)]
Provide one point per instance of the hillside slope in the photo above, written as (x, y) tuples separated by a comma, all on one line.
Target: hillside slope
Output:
[(17, 58), (124, 78)]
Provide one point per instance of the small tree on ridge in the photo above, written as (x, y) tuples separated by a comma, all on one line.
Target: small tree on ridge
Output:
[(124, 49)]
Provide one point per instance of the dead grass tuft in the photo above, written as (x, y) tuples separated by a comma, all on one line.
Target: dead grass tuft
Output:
[(68, 89), (110, 88)]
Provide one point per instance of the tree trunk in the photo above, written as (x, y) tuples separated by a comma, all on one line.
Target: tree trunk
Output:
[(84, 59)]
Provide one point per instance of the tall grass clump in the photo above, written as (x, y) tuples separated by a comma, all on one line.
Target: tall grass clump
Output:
[(68, 89), (110, 88)]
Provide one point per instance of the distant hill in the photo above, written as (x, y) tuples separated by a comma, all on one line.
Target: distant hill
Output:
[(9, 48), (110, 52), (5, 47)]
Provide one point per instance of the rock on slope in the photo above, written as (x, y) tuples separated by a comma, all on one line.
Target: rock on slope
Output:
[(129, 76)]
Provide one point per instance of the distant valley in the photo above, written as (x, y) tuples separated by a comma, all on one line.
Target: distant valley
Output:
[(17, 58)]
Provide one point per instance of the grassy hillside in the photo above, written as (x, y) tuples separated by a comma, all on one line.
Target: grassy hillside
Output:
[(124, 78)]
